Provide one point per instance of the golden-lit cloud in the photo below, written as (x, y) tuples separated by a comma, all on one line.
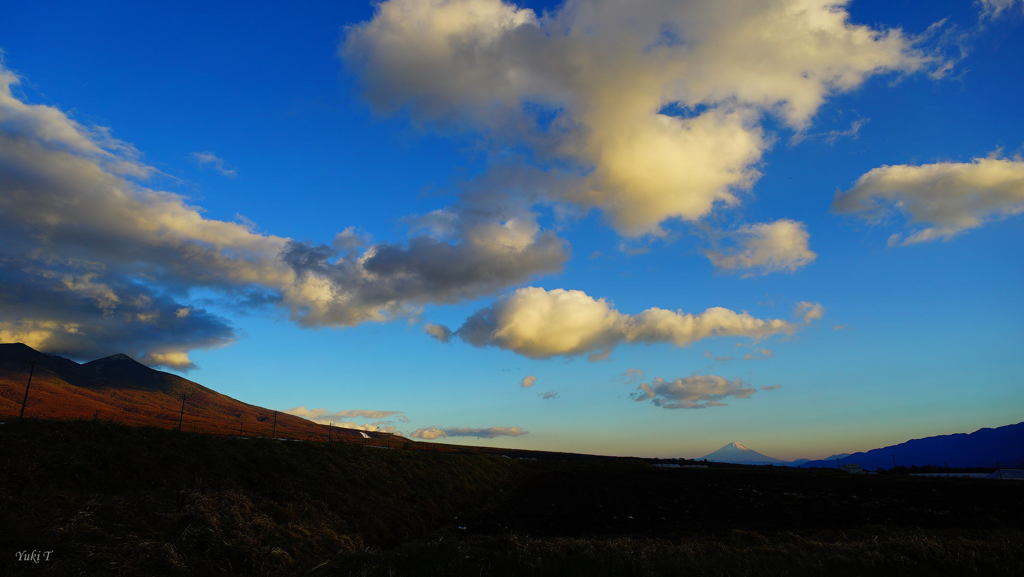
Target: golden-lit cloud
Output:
[(528, 381), (657, 104), (439, 332), (939, 201), (783, 245), (540, 323), (175, 359)]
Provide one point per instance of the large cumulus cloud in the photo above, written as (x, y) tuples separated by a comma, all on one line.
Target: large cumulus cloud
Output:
[(656, 107)]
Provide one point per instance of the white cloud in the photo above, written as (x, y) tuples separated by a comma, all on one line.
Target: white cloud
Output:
[(215, 162), (763, 248), (694, 392), (539, 323), (658, 104), (939, 200), (430, 433), (528, 381)]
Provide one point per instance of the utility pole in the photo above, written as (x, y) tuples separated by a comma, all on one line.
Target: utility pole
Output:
[(274, 434), (181, 415), (31, 371)]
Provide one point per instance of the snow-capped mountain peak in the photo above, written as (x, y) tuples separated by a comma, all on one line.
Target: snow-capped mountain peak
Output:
[(736, 452)]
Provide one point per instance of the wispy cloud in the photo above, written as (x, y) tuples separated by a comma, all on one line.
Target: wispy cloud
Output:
[(809, 312), (718, 358), (693, 392), (832, 136), (211, 160), (385, 419), (633, 375), (758, 353), (430, 433), (995, 8)]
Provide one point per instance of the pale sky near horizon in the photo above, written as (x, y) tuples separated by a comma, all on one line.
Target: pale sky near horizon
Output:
[(646, 228)]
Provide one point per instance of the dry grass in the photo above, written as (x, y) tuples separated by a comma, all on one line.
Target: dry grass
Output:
[(110, 499), (740, 553)]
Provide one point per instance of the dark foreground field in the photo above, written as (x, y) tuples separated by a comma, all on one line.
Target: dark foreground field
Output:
[(114, 500)]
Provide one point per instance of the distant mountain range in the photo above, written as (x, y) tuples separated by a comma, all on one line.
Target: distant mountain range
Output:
[(984, 448), (121, 389)]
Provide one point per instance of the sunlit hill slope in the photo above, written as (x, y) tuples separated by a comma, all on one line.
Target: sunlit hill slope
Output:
[(121, 389)]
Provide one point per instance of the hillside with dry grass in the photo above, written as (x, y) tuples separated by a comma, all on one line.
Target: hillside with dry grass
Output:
[(120, 389)]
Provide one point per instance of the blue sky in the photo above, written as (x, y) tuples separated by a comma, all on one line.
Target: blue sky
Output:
[(864, 161)]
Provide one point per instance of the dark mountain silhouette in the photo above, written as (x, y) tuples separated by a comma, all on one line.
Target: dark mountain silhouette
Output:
[(122, 389), (984, 448), (124, 371)]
